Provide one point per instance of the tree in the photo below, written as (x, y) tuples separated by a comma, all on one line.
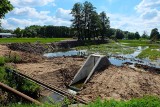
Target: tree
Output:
[(105, 23), (95, 25), (137, 36), (154, 34), (5, 7), (119, 34), (88, 10), (18, 32), (131, 36), (144, 35), (77, 21)]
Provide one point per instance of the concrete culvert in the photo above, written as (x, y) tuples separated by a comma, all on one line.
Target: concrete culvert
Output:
[(93, 63)]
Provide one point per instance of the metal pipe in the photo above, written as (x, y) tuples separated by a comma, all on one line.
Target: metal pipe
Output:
[(60, 91), (19, 93)]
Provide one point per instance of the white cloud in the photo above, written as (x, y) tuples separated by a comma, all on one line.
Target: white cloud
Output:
[(64, 14), (22, 17), (21, 3), (150, 14), (148, 8), (28, 12), (133, 23), (146, 18)]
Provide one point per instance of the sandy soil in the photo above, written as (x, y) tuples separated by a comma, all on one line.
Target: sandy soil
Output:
[(57, 71), (4, 50), (121, 83)]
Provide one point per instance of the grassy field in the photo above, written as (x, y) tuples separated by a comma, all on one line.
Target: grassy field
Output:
[(31, 40), (135, 43), (152, 54)]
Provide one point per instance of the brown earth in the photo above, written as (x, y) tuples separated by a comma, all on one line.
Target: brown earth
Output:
[(24, 56), (4, 50), (114, 82), (121, 83), (57, 71)]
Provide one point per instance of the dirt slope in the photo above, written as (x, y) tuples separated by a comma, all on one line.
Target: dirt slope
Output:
[(121, 83), (56, 71), (4, 50)]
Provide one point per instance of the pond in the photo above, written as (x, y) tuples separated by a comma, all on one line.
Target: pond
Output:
[(117, 60), (67, 53)]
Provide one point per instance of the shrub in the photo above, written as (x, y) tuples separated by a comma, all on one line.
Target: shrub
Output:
[(2, 61), (15, 58)]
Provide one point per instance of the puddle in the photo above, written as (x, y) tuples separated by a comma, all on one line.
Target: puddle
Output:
[(52, 98), (67, 53), (131, 59)]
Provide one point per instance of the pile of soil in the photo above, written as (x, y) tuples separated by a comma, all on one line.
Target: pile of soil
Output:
[(56, 71), (28, 47), (121, 83), (148, 68), (25, 57), (4, 50)]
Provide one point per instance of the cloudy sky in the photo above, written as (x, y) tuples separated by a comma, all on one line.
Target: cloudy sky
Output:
[(131, 15)]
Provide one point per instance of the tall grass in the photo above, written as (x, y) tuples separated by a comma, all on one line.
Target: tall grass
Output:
[(2, 61), (152, 54), (147, 101)]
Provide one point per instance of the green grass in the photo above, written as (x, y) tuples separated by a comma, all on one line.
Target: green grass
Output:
[(2, 61), (125, 47), (135, 43), (152, 54), (31, 40), (110, 48), (147, 101)]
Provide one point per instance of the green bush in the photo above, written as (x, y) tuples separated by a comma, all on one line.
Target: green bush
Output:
[(15, 58), (23, 85), (2, 74), (2, 61)]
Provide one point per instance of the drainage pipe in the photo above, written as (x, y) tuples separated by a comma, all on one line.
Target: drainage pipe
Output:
[(19, 93)]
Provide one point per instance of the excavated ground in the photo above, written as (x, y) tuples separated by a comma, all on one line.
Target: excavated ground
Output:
[(121, 83), (114, 82)]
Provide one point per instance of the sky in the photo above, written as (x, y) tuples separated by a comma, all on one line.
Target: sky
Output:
[(127, 15)]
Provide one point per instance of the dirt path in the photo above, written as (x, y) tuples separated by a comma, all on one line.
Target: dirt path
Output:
[(121, 83)]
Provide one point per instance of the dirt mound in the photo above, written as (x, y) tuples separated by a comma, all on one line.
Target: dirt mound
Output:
[(148, 68), (57, 71), (121, 83), (60, 78), (28, 47)]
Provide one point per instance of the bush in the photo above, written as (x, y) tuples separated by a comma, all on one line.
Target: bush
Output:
[(2, 61), (15, 58)]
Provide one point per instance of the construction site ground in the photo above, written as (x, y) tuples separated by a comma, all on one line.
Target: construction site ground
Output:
[(120, 83)]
